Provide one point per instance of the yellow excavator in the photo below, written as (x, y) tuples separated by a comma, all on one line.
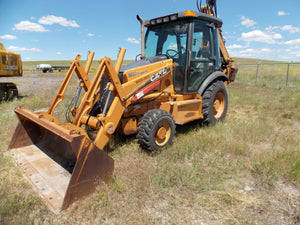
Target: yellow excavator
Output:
[(181, 76), (10, 66)]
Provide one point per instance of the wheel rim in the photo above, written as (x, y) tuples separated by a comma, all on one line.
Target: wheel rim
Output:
[(163, 133), (219, 105)]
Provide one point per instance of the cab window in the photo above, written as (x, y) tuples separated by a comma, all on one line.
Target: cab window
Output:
[(170, 39)]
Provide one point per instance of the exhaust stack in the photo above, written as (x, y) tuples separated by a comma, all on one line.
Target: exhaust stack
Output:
[(142, 36)]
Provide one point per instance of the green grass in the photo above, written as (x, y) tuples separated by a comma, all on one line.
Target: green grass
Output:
[(268, 74), (253, 61), (245, 170)]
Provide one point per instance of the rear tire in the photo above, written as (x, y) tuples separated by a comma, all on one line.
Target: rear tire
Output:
[(156, 130), (215, 103), (2, 95), (12, 93), (8, 91)]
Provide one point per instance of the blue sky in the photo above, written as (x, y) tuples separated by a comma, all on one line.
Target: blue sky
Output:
[(58, 29)]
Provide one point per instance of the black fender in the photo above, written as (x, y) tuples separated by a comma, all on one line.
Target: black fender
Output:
[(214, 76)]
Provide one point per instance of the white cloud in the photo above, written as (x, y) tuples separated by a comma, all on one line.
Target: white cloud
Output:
[(51, 19), (250, 52), (265, 50), (90, 34), (8, 37), (228, 35), (282, 13), (29, 26), (290, 29), (247, 22), (21, 49), (297, 53), (293, 42), (234, 46), (271, 28), (58, 53), (133, 40), (260, 36)]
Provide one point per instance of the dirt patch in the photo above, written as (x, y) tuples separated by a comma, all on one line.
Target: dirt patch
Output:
[(33, 81)]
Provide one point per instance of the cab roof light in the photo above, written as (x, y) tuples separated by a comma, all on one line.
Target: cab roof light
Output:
[(159, 20), (163, 19), (174, 17), (189, 13), (166, 19)]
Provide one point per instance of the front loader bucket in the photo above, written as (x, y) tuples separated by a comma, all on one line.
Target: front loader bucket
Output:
[(58, 159)]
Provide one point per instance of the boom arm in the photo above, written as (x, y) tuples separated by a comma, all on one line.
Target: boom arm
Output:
[(227, 67)]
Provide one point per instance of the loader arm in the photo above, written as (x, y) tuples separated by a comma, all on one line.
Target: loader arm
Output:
[(82, 74), (107, 122)]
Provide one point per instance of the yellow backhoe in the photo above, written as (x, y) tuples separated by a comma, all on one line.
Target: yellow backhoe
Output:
[(10, 66), (181, 76)]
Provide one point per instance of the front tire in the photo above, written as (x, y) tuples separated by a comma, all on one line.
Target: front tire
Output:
[(156, 130), (215, 103)]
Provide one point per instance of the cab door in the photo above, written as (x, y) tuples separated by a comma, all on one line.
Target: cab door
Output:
[(203, 54)]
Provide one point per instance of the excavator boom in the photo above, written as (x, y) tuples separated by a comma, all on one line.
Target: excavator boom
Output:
[(227, 65)]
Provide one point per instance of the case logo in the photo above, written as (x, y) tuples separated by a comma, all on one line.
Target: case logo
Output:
[(160, 73)]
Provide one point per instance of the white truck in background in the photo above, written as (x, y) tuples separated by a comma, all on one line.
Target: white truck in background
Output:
[(47, 67)]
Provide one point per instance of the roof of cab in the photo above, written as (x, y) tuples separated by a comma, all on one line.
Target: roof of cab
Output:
[(184, 14)]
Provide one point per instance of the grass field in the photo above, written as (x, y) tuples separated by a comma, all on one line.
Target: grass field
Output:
[(245, 170), (269, 73)]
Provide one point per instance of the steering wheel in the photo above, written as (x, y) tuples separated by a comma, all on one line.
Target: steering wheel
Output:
[(171, 55)]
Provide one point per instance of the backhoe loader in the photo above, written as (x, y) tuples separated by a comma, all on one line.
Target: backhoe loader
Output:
[(181, 76)]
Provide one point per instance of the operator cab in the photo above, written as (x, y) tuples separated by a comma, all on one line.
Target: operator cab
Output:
[(191, 40)]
